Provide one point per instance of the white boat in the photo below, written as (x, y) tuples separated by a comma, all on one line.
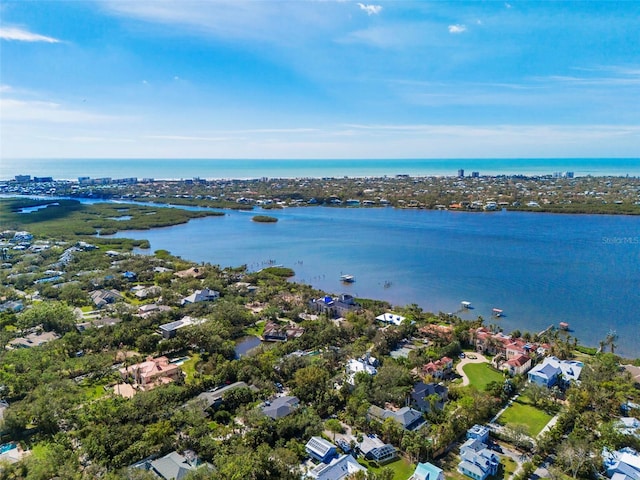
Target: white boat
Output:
[(496, 312), (348, 278), (465, 304)]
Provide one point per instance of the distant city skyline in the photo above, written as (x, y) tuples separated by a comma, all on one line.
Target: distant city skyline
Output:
[(323, 79)]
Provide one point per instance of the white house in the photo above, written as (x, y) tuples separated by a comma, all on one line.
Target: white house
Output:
[(338, 469), (204, 295), (623, 464), (390, 318), (552, 370), (477, 461), (365, 364), (427, 471)]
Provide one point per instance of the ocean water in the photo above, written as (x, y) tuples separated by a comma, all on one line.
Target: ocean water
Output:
[(71, 169), (541, 269)]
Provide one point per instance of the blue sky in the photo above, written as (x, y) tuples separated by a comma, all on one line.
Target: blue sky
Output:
[(319, 79)]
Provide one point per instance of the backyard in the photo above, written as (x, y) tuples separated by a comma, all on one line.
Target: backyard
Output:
[(522, 412), (481, 374), (402, 468)]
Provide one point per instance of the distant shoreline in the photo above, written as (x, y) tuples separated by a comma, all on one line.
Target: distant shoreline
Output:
[(246, 169)]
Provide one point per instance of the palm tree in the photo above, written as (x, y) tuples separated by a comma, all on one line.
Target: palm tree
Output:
[(612, 336)]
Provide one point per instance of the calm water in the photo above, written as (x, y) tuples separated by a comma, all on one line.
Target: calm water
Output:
[(71, 169), (539, 268)]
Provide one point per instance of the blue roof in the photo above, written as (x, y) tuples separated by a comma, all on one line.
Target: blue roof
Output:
[(427, 471)]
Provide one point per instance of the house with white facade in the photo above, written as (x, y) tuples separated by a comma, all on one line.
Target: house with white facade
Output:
[(477, 461), (553, 371), (623, 464), (204, 295), (339, 469), (390, 318), (427, 471), (365, 364)]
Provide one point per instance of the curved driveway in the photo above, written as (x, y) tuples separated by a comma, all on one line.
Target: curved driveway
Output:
[(459, 368)]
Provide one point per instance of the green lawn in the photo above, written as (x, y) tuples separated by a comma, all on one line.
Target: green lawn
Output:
[(189, 367), (481, 374), (521, 412), (401, 467), (257, 329)]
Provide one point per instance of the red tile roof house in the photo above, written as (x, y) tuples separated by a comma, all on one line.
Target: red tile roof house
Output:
[(518, 365), (499, 343), (439, 368), (152, 372)]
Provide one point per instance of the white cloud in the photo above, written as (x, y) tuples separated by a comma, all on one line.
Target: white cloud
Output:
[(21, 35), (370, 9), (187, 138), (457, 28), (50, 112)]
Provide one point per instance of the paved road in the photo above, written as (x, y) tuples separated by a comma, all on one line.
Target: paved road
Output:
[(479, 359)]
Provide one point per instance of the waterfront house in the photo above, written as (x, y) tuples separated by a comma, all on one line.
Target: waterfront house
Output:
[(334, 307), (634, 372), (340, 468), (427, 471), (477, 461), (276, 332), (390, 318), (321, 449), (280, 407), (193, 272), (204, 295), (553, 371), (372, 448), (420, 396)]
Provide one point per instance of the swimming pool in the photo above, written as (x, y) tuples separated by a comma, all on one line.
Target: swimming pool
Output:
[(6, 447)]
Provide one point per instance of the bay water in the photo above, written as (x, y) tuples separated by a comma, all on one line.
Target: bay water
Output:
[(540, 269)]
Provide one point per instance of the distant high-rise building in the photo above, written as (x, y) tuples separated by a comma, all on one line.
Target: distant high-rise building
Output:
[(23, 178), (475, 174), (568, 174), (461, 172)]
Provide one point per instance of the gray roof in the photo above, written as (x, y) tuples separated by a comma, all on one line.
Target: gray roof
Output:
[(172, 466), (319, 446), (280, 407), (212, 397)]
